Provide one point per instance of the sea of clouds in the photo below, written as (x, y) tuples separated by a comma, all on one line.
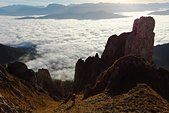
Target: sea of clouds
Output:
[(60, 43)]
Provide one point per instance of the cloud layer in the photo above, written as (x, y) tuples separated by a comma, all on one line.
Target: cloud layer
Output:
[(61, 43)]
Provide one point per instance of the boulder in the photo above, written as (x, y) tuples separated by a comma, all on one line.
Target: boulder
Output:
[(21, 71), (17, 69)]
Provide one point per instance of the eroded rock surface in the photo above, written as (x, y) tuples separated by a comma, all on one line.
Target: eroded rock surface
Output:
[(140, 42)]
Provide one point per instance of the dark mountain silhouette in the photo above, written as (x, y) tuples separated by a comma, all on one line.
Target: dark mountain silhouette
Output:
[(19, 10), (161, 55), (10, 54), (21, 52), (89, 15), (54, 9)]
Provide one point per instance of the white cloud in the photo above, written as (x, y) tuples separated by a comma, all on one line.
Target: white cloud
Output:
[(61, 43)]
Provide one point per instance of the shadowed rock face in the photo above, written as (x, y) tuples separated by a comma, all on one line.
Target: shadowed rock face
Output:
[(161, 55), (40, 80), (88, 71), (114, 49), (43, 78), (126, 73), (30, 76), (138, 42), (17, 96), (17, 69)]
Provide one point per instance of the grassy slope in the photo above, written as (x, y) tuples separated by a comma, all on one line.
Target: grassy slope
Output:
[(24, 97), (21, 96), (140, 99)]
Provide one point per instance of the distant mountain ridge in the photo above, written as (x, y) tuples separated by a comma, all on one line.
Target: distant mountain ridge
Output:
[(166, 12), (80, 16), (25, 10), (22, 52)]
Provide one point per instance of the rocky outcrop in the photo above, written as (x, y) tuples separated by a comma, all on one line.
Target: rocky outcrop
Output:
[(17, 96), (88, 71), (41, 80), (17, 69), (126, 73), (30, 76), (44, 80), (115, 48), (138, 42), (131, 43), (21, 71)]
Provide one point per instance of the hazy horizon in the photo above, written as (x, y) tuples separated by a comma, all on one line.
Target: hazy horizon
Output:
[(64, 2)]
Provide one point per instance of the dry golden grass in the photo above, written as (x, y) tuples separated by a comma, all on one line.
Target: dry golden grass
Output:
[(141, 99)]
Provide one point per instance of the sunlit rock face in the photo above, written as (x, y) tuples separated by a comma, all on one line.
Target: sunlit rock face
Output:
[(139, 42)]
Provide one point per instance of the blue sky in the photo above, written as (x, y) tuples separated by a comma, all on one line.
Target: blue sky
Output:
[(45, 2)]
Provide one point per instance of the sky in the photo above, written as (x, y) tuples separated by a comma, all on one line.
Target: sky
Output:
[(66, 2)]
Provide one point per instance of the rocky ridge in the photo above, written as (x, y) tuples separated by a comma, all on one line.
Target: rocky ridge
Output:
[(140, 99), (131, 43), (124, 79), (17, 95), (40, 79)]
